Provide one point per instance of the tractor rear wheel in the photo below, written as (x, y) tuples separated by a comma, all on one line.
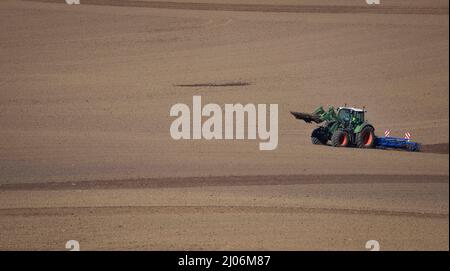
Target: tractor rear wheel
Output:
[(340, 138), (319, 137), (366, 138)]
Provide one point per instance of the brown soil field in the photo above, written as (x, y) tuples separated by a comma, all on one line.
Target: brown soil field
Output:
[(86, 152)]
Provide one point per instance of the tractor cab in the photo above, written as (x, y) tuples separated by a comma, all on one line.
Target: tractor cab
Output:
[(351, 115)]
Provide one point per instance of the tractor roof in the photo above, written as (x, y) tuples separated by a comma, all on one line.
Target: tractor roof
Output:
[(352, 108)]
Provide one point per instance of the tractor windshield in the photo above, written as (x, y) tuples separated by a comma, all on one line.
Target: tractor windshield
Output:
[(344, 115)]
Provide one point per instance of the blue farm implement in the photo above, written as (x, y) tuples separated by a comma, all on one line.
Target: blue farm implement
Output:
[(396, 143)]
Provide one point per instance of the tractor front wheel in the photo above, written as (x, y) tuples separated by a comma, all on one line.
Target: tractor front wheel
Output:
[(340, 138), (366, 138), (319, 136)]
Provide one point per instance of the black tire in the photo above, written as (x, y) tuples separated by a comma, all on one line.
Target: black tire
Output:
[(366, 138), (413, 148), (340, 138), (319, 137)]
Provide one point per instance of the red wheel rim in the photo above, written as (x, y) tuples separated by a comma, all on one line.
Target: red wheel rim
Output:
[(344, 140), (368, 139)]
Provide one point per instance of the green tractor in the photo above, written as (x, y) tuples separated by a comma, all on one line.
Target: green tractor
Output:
[(344, 127)]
